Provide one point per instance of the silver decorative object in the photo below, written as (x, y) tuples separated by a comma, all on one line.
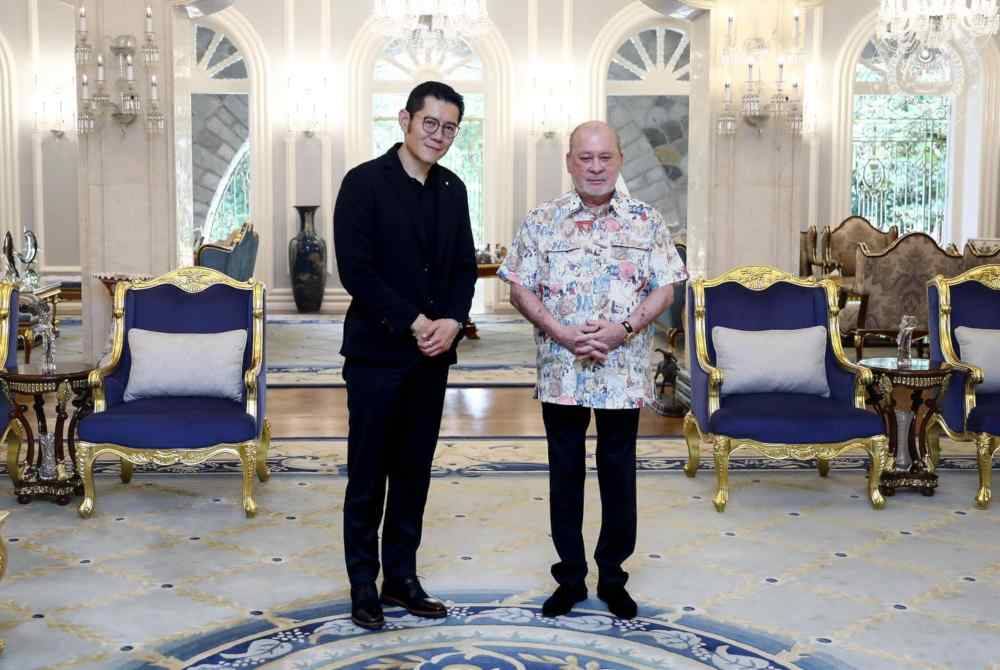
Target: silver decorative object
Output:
[(903, 420), (904, 341), (47, 445)]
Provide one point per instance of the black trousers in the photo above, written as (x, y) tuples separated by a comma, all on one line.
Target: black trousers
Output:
[(566, 430), (395, 416)]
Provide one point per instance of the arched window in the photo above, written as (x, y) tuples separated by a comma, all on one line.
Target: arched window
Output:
[(901, 142), (648, 92), (397, 70), (220, 123)]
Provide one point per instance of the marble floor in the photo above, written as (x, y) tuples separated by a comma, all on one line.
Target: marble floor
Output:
[(798, 573)]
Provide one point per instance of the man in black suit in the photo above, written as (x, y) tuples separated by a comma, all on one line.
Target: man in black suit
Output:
[(405, 254)]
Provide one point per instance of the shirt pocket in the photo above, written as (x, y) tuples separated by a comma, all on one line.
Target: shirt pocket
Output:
[(629, 270), (564, 264)]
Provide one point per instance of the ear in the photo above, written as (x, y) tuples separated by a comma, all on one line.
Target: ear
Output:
[(404, 120)]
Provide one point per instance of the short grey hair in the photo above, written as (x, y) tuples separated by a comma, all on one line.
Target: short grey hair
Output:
[(595, 124)]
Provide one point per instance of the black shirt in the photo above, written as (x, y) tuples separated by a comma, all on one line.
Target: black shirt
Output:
[(423, 198)]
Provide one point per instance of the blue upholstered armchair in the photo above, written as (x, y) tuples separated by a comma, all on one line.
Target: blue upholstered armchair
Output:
[(170, 429), (965, 413), (237, 261), (779, 425), (11, 431)]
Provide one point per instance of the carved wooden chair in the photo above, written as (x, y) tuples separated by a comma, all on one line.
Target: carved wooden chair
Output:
[(169, 429), (966, 413), (892, 283), (777, 424), (976, 254), (839, 244)]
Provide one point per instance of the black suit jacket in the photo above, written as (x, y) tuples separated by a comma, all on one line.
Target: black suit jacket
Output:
[(385, 263)]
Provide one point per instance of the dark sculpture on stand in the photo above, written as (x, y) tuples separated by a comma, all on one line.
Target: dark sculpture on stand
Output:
[(307, 262)]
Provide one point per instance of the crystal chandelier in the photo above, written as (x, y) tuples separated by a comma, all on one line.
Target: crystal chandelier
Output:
[(930, 45), (935, 23), (431, 23)]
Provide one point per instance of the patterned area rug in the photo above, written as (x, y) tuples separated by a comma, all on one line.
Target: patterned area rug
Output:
[(514, 456), (493, 631), (304, 351)]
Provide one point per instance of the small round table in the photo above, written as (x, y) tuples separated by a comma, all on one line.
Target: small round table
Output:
[(49, 467), (913, 467)]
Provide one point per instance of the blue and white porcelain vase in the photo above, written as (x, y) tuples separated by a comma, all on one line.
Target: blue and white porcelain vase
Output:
[(307, 262)]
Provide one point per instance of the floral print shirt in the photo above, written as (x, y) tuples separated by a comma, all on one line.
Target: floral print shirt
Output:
[(584, 265)]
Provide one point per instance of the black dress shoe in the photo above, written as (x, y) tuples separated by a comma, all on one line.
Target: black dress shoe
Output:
[(408, 594), (619, 602), (366, 610), (562, 600)]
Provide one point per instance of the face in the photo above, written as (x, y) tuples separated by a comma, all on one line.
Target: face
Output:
[(594, 161), (429, 147)]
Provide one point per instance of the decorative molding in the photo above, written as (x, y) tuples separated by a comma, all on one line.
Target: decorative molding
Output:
[(251, 45), (629, 20), (335, 300), (10, 190)]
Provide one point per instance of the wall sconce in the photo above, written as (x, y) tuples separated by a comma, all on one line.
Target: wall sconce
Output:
[(127, 104), (726, 123), (551, 99), (308, 104)]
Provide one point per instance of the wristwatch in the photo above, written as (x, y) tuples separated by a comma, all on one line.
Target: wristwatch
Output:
[(629, 331)]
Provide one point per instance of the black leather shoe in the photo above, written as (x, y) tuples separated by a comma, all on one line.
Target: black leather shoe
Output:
[(408, 594), (618, 600), (562, 600), (366, 610)]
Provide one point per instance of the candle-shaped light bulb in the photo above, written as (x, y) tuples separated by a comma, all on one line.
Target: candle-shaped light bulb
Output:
[(83, 19), (798, 26), (154, 89), (129, 69), (781, 72), (100, 68), (149, 19), (729, 93), (84, 87), (750, 72), (730, 29)]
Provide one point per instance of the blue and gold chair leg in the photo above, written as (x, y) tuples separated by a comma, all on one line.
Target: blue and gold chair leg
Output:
[(248, 461), (263, 446), (823, 465), (126, 471), (721, 452), (14, 438), (85, 468), (692, 435), (878, 449), (985, 446)]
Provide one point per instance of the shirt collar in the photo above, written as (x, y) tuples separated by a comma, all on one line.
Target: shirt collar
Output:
[(394, 163), (618, 204)]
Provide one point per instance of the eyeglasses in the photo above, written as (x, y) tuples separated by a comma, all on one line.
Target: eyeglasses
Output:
[(431, 125)]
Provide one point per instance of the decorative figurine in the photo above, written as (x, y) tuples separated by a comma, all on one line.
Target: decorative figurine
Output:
[(904, 341)]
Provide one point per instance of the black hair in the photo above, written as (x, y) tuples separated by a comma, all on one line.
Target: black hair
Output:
[(435, 89)]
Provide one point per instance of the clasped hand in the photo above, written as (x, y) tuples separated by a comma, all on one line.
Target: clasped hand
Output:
[(435, 337), (594, 340)]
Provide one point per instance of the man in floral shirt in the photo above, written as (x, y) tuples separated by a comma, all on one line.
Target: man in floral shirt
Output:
[(591, 269)]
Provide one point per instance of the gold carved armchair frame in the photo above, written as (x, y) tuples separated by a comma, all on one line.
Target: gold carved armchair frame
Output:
[(987, 445), (252, 453), (760, 278), (13, 436)]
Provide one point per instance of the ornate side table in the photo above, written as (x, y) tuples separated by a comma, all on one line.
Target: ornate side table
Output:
[(49, 466), (906, 429)]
